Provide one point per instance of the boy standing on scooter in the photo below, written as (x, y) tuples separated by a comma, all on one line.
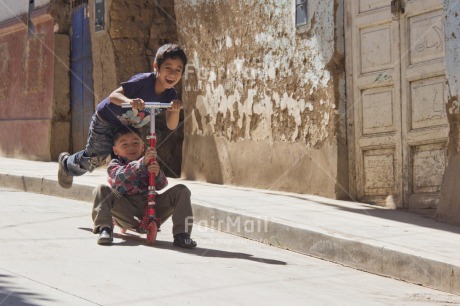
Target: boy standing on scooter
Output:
[(158, 86), (125, 200)]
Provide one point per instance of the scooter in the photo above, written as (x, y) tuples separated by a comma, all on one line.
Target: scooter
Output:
[(150, 223)]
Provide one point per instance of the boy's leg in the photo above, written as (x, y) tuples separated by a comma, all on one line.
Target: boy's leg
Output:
[(176, 202), (126, 208), (64, 178), (99, 146), (104, 198), (108, 204)]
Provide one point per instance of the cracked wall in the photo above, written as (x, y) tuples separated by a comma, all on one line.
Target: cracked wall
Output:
[(264, 101)]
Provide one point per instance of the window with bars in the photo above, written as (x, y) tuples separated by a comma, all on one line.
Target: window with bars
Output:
[(301, 13), (99, 15)]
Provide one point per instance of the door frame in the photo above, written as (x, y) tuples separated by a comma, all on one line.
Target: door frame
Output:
[(349, 101)]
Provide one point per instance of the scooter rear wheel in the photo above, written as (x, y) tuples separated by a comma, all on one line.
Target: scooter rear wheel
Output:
[(152, 233)]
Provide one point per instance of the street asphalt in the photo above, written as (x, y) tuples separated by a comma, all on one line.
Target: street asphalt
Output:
[(49, 256), (387, 242)]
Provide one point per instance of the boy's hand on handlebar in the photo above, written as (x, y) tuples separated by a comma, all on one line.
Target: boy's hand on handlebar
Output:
[(176, 105), (149, 154), (137, 103), (154, 167)]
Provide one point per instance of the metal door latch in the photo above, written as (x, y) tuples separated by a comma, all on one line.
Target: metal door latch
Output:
[(397, 7)]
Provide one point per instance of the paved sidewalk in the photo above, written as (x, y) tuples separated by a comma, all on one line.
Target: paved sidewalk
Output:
[(392, 243)]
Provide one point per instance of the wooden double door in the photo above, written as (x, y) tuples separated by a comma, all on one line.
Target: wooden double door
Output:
[(397, 100)]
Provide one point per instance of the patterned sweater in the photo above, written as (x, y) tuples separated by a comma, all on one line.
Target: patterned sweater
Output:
[(130, 178)]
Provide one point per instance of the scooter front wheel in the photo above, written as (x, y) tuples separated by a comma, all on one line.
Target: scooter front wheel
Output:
[(152, 233)]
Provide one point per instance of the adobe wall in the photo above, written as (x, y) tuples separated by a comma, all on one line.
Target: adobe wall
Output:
[(265, 102), (26, 77)]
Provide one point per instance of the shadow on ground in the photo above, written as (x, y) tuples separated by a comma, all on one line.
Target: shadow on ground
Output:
[(15, 296), (206, 252), (136, 240)]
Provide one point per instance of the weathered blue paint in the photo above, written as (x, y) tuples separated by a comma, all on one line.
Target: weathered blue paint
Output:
[(82, 94)]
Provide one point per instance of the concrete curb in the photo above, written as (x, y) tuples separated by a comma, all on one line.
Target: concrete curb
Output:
[(381, 260), (46, 186), (354, 254)]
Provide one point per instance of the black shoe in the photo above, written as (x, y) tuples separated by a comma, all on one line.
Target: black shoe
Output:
[(105, 236), (64, 179), (183, 240)]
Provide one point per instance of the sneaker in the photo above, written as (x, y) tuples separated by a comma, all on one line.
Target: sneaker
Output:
[(183, 240), (105, 236), (65, 179)]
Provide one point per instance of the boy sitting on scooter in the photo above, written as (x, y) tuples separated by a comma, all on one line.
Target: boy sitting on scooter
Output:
[(126, 199)]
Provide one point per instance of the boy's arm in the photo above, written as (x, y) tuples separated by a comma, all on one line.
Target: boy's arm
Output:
[(118, 97), (172, 114), (160, 178), (161, 181)]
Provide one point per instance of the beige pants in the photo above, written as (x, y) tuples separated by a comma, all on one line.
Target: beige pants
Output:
[(108, 204)]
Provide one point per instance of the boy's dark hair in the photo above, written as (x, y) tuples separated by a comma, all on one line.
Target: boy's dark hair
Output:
[(125, 130), (170, 51)]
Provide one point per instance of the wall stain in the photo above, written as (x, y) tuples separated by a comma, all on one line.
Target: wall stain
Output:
[(453, 117), (258, 70)]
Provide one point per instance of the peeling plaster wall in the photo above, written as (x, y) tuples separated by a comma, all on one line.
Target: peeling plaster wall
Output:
[(264, 102), (449, 207)]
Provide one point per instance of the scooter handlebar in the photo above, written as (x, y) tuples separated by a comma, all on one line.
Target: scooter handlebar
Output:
[(149, 105)]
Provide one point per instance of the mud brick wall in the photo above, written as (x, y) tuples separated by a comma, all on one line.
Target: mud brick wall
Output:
[(265, 101)]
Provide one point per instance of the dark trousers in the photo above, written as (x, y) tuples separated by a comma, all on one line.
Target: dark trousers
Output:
[(99, 146), (124, 209)]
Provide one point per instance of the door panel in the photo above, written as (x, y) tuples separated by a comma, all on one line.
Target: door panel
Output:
[(375, 47), (376, 101), (426, 36), (427, 103), (424, 98), (379, 172), (428, 163)]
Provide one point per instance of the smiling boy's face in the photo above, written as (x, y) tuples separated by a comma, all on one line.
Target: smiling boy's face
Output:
[(169, 74), (129, 146)]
